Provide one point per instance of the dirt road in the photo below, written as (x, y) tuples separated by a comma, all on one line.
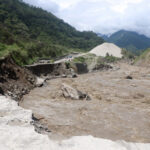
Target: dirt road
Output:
[(119, 109), (70, 57)]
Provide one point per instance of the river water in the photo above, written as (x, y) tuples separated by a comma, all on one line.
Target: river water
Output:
[(117, 117)]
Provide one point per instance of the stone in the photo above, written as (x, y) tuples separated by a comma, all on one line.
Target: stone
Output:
[(64, 76), (70, 92), (74, 75), (40, 82), (129, 77), (88, 98), (1, 91)]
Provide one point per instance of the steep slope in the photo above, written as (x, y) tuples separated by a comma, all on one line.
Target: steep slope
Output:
[(129, 40), (15, 81), (40, 33), (144, 59)]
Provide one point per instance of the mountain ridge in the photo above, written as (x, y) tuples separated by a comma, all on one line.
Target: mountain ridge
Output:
[(130, 40)]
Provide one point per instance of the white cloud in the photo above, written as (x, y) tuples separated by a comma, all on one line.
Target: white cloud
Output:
[(45, 4), (104, 16)]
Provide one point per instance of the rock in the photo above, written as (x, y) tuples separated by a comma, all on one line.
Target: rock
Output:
[(129, 77), (74, 75), (88, 98), (31, 79), (40, 128), (37, 117), (40, 82), (115, 68), (64, 76), (70, 92), (1, 91)]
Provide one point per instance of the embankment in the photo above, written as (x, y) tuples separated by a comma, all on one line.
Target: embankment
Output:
[(15, 81)]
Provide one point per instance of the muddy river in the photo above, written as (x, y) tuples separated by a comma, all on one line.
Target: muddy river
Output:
[(119, 109)]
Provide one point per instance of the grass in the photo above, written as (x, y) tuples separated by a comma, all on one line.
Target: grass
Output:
[(28, 53), (110, 59), (144, 56), (79, 60), (127, 54)]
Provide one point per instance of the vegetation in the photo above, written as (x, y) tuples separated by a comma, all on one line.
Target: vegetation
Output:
[(144, 57), (93, 59), (110, 59), (31, 33), (127, 54), (79, 59), (132, 41)]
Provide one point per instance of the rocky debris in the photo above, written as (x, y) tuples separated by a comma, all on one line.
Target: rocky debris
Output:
[(129, 77), (74, 76), (40, 82), (70, 92), (52, 71), (115, 68), (70, 73), (64, 76), (39, 128), (15, 81), (81, 68), (88, 98), (55, 69), (1, 91), (102, 67)]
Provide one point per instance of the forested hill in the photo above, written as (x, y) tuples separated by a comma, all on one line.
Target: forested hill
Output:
[(129, 40), (32, 32)]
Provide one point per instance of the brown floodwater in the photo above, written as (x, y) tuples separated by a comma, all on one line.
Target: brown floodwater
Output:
[(119, 109)]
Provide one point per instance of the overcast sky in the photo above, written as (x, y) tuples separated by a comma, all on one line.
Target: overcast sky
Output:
[(102, 16)]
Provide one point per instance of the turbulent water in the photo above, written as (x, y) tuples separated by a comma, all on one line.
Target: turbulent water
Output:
[(17, 133)]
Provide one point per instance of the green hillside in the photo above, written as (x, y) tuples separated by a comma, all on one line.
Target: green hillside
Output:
[(32, 33), (132, 41), (144, 58)]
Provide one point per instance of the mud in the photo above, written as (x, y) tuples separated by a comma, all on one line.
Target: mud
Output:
[(119, 109), (15, 81)]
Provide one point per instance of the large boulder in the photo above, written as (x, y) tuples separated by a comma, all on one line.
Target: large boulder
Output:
[(70, 92), (40, 82)]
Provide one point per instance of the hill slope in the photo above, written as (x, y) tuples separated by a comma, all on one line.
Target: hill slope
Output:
[(144, 59), (129, 40), (39, 33)]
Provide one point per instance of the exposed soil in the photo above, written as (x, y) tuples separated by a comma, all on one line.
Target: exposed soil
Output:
[(15, 81), (119, 109)]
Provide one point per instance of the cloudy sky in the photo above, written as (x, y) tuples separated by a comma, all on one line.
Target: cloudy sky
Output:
[(103, 16)]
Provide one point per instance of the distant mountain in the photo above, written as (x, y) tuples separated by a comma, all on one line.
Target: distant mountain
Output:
[(33, 33), (127, 39)]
